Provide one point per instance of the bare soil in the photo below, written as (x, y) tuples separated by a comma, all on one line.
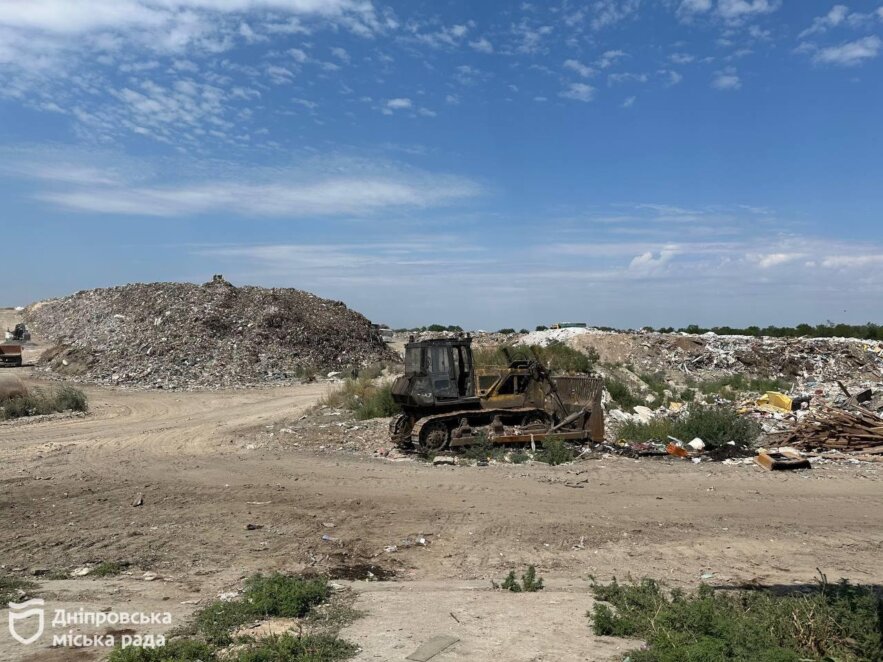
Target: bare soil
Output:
[(207, 468)]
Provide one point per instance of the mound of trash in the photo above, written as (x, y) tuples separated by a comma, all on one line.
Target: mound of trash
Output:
[(175, 335)]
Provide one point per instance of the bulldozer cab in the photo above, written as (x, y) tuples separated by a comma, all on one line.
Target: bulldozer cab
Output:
[(441, 368)]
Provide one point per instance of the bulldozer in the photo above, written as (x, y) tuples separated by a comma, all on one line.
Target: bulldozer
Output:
[(448, 402)]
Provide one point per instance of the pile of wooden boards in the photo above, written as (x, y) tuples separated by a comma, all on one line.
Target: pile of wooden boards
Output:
[(854, 431)]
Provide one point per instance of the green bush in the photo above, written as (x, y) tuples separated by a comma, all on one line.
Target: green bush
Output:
[(10, 587), (263, 597), (281, 595), (716, 426), (621, 394), (556, 357), (555, 452), (305, 648), (365, 398), (44, 401), (740, 384), (835, 622), (176, 650), (530, 583), (108, 569)]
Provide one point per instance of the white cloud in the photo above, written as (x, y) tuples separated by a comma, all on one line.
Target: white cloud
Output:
[(851, 261), (770, 260), (578, 92), (648, 262), (400, 103), (851, 53), (728, 79), (629, 102), (833, 18), (609, 58), (340, 54), (298, 55), (608, 12), (694, 7), (739, 9), (482, 45), (575, 65), (681, 58)]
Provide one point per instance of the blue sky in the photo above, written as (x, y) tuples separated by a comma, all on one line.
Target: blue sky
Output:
[(622, 162)]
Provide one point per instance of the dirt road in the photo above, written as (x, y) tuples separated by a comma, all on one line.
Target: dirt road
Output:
[(206, 470)]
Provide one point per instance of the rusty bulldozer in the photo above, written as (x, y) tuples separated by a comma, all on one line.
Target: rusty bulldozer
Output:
[(447, 402)]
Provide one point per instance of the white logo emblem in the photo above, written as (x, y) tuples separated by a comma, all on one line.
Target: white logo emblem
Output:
[(23, 610)]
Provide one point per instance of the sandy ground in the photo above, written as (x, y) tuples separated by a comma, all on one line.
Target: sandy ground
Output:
[(207, 468)]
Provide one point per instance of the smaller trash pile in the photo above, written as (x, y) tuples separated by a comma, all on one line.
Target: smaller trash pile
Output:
[(856, 431), (174, 335)]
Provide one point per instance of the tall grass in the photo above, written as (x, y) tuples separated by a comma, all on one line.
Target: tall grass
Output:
[(834, 622), (364, 397), (714, 425), (44, 401), (557, 357)]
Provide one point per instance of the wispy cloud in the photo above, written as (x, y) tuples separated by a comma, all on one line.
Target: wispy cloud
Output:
[(727, 79), (578, 92), (851, 53)]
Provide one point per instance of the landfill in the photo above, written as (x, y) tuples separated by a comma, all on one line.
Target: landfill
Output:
[(181, 335)]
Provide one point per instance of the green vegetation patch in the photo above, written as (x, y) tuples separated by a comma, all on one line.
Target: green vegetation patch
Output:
[(44, 401), (554, 452), (838, 622), (211, 634), (556, 357), (10, 588), (741, 384), (364, 397), (530, 582), (621, 394), (716, 426)]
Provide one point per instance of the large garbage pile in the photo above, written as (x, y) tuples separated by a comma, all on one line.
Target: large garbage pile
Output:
[(173, 335), (707, 355)]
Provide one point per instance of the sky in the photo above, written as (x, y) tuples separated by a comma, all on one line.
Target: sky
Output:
[(488, 164)]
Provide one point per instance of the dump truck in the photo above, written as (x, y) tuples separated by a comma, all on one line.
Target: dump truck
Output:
[(448, 402), (10, 355)]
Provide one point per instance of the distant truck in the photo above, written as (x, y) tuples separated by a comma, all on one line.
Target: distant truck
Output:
[(10, 355), (569, 325)]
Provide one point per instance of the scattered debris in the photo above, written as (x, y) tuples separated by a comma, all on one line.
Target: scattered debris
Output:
[(138, 500), (433, 647), (781, 460)]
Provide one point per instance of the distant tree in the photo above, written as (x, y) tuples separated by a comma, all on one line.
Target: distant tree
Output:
[(506, 331), (542, 328)]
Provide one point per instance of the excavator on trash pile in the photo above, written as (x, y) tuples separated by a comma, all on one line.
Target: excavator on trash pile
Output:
[(448, 402)]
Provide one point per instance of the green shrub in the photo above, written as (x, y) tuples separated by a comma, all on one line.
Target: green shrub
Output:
[(264, 596), (554, 452), (519, 457), (176, 650), (290, 648), (281, 595), (108, 569), (740, 384), (10, 587), (621, 394), (44, 401), (365, 398), (556, 357), (657, 385), (714, 425), (835, 622), (530, 583)]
